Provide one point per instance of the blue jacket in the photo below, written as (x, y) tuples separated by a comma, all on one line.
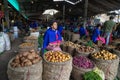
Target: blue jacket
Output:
[(60, 29), (50, 36), (82, 31), (96, 34)]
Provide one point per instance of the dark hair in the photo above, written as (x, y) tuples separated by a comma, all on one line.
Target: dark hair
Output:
[(111, 17), (53, 22), (98, 25)]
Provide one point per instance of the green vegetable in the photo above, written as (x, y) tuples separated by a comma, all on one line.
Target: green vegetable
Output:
[(40, 40), (91, 76)]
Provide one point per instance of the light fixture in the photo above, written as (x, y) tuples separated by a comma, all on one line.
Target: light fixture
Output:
[(0, 4), (57, 5), (32, 2)]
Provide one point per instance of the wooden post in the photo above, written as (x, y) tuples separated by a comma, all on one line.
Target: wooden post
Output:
[(6, 12), (63, 13), (85, 12)]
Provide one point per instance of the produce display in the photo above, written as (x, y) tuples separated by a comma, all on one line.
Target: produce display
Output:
[(71, 44), (82, 62), (105, 55), (91, 75), (31, 38), (118, 48), (26, 45), (57, 56), (85, 49), (111, 46), (25, 59)]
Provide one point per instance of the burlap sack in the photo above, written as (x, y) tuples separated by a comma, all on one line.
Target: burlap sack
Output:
[(64, 48), (71, 50), (33, 72), (79, 53), (28, 48), (75, 37), (117, 52), (57, 71), (109, 67), (77, 73)]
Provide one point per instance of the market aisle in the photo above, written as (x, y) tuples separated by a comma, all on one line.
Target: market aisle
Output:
[(6, 56)]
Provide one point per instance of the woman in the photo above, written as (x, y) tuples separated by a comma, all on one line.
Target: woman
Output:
[(83, 32), (52, 38), (96, 35)]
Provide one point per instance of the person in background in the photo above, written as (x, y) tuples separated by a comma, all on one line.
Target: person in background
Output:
[(52, 38), (82, 32), (109, 25), (60, 28), (96, 35)]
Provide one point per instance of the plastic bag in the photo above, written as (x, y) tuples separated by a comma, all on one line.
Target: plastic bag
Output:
[(2, 43), (100, 73), (7, 41)]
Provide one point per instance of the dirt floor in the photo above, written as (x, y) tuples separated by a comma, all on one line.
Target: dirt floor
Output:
[(7, 55)]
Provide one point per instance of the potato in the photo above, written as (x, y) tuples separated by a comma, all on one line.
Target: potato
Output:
[(30, 57), (25, 54)]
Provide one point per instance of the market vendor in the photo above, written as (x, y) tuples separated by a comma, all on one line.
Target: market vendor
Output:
[(82, 31), (96, 35), (52, 38)]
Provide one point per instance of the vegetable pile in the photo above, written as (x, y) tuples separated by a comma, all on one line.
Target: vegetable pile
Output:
[(26, 45), (92, 76), (71, 44), (85, 49), (56, 56), (82, 62), (105, 55), (31, 38), (25, 59), (118, 48)]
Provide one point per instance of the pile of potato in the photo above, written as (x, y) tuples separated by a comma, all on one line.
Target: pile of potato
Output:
[(71, 44), (31, 38), (85, 49), (25, 59), (26, 45), (57, 56), (118, 48), (105, 55)]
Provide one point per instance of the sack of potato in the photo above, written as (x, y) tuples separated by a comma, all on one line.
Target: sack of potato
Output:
[(25, 66), (27, 47), (57, 66), (84, 51), (117, 50), (31, 39), (107, 62), (75, 37)]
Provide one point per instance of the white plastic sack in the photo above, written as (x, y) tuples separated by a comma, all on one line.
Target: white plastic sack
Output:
[(7, 42), (34, 34), (2, 43)]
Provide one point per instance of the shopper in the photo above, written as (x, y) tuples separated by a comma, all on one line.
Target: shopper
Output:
[(96, 35), (52, 38), (109, 25)]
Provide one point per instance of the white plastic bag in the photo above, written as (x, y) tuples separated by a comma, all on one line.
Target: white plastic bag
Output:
[(7, 42), (2, 43)]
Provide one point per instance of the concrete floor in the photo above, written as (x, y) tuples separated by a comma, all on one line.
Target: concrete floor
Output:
[(4, 59), (6, 56)]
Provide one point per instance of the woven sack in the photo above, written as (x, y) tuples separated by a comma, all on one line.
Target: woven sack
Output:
[(33, 72), (75, 37), (57, 71), (77, 73), (109, 67), (79, 53)]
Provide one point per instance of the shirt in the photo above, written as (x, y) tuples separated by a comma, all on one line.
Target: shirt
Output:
[(109, 26)]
